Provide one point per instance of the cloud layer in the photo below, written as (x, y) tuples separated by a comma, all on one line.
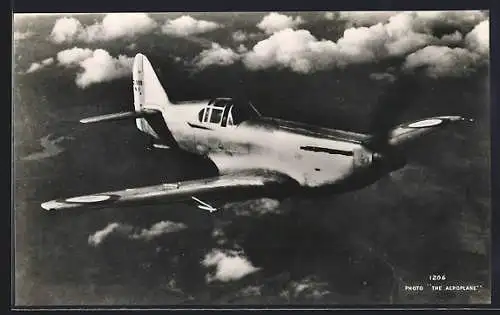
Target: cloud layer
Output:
[(387, 35), (112, 26), (186, 25)]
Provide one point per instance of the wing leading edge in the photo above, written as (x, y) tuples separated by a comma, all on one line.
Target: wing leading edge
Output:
[(232, 187)]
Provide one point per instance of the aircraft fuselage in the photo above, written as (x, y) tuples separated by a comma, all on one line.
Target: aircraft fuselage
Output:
[(311, 155)]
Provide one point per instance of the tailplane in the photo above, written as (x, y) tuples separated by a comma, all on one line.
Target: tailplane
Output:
[(150, 104)]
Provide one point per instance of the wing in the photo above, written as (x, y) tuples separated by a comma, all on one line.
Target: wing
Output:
[(120, 116), (405, 133), (231, 187)]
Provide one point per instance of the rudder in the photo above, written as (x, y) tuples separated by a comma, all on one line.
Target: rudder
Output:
[(148, 91)]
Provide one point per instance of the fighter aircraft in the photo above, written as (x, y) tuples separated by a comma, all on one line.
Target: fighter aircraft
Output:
[(256, 156)]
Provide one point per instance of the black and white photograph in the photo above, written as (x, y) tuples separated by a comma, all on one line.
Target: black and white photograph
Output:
[(251, 159)]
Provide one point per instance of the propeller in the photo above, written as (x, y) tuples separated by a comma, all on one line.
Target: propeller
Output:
[(393, 102)]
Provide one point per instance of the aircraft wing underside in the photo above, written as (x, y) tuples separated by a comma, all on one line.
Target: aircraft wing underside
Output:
[(230, 187)]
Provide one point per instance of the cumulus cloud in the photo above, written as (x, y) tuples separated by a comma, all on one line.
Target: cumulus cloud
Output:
[(239, 36), (66, 29), (96, 66), (216, 55), (229, 265), (187, 25), (130, 232), (37, 66), (403, 33), (443, 61), (479, 38), (73, 56), (112, 26), (449, 39), (274, 22), (158, 229), (426, 21)]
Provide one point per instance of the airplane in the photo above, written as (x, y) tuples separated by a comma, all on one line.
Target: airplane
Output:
[(255, 156)]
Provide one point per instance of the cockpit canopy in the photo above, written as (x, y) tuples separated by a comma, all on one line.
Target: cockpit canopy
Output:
[(227, 112)]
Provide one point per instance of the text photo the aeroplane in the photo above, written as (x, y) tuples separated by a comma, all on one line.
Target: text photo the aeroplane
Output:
[(255, 156)]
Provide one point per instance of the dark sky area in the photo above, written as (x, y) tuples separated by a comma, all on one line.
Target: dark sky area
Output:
[(329, 69)]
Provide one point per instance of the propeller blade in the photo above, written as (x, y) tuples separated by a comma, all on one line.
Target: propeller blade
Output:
[(394, 101)]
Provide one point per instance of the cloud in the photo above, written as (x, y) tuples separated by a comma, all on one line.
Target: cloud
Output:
[(216, 55), (229, 265), (241, 49), (66, 29), (479, 38), (48, 61), (330, 15), (423, 21), (17, 36), (186, 25), (50, 148), (112, 26), (257, 207), (131, 46), (308, 287), (130, 232), (158, 229), (73, 56), (449, 39), (96, 66), (362, 18), (98, 237), (274, 22), (37, 66), (297, 50), (239, 36), (443, 61), (402, 34), (426, 21), (382, 76)]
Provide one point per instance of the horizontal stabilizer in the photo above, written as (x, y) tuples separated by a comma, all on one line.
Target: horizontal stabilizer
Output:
[(120, 116)]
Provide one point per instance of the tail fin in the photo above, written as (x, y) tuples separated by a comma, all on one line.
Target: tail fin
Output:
[(148, 91)]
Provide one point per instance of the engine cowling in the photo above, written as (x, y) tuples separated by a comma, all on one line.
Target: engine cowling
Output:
[(362, 158)]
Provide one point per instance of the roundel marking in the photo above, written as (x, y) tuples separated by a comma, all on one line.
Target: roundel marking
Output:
[(425, 123), (89, 199)]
